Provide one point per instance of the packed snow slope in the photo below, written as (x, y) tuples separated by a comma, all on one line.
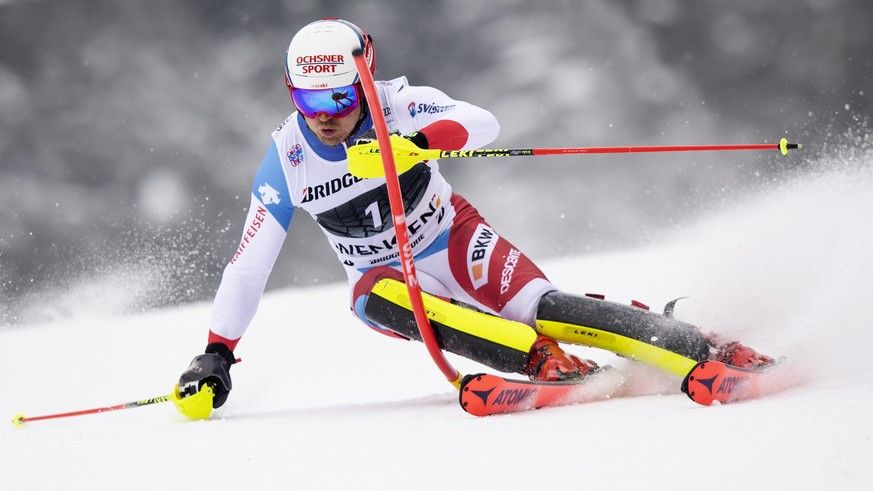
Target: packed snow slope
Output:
[(321, 402)]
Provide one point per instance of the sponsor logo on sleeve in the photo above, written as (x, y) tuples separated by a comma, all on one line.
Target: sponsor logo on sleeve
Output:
[(268, 194), (250, 232), (432, 108), (479, 254), (508, 270)]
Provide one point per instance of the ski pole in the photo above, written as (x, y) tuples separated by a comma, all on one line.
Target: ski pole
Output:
[(196, 405), (783, 146), (365, 160), (20, 419)]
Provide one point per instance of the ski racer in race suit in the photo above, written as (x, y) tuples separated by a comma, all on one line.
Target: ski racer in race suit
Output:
[(458, 256)]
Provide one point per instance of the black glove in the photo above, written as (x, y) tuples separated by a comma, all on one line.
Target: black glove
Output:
[(416, 137), (213, 368)]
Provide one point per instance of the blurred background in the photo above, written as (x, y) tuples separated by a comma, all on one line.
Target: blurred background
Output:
[(130, 131)]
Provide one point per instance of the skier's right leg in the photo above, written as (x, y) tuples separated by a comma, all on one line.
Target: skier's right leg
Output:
[(382, 302)]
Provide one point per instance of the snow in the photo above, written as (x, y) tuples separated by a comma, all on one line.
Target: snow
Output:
[(321, 402)]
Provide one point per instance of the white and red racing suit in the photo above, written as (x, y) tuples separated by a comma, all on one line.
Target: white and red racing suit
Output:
[(457, 254)]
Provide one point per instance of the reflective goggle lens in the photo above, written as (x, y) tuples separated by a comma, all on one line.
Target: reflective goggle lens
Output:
[(336, 102)]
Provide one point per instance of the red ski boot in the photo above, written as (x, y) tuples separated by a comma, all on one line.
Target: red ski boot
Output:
[(549, 363), (738, 355)]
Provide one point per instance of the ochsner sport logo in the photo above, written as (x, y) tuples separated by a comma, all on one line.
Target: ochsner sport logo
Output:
[(479, 254), (319, 63)]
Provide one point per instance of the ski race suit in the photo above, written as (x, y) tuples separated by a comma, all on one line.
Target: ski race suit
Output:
[(458, 255)]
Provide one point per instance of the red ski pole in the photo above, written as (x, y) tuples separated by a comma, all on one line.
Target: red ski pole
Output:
[(783, 146), (195, 406), (20, 419), (366, 160)]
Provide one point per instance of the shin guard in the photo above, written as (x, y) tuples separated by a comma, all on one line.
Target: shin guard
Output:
[(501, 344)]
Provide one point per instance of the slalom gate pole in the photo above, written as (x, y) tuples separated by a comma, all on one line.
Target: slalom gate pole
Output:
[(398, 214), (20, 419)]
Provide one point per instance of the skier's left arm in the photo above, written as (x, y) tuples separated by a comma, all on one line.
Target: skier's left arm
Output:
[(432, 119)]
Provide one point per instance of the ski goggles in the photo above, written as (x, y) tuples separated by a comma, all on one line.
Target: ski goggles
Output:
[(336, 102)]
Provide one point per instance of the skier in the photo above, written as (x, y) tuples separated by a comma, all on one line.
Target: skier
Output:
[(490, 294)]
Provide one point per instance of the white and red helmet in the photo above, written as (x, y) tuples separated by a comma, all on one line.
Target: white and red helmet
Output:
[(320, 55)]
